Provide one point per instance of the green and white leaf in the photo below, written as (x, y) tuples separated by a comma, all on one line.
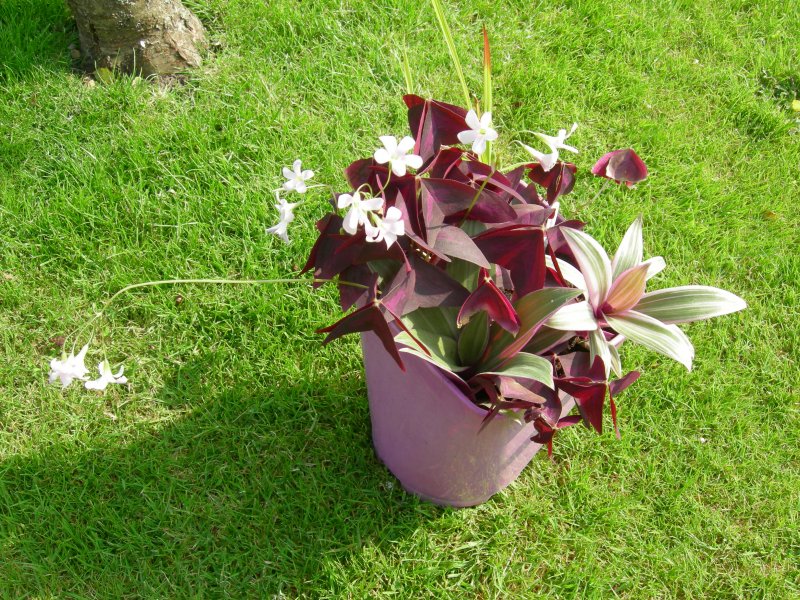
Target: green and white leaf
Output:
[(689, 303), (654, 266), (545, 339), (533, 309), (526, 366), (630, 251), (473, 339), (593, 262), (573, 317), (599, 346), (654, 335), (440, 320), (463, 272), (572, 275), (442, 350), (435, 328)]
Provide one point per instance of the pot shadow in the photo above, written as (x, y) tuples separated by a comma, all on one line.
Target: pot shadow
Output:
[(251, 490), (35, 35)]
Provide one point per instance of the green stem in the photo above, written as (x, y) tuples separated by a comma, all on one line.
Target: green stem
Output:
[(606, 183), (507, 168), (477, 195), (135, 286)]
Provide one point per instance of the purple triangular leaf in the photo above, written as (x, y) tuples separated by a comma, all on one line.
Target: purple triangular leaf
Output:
[(433, 123), (511, 388), (589, 397), (445, 165), (558, 181), (367, 318), (333, 252), (433, 287), (619, 385), (521, 251), (453, 199), (623, 166), (349, 294), (399, 290), (455, 243), (488, 297), (361, 172)]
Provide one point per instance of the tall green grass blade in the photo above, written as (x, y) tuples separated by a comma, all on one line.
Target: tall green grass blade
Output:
[(451, 47), (406, 71)]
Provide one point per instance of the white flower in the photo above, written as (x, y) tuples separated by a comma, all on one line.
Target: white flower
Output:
[(296, 178), (106, 377), (69, 367), (479, 132), (397, 155), (389, 228), (555, 143), (359, 210), (286, 211)]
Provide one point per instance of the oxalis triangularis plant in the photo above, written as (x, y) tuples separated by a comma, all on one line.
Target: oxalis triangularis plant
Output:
[(448, 257)]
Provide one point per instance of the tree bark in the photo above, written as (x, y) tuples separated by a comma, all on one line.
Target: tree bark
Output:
[(144, 37)]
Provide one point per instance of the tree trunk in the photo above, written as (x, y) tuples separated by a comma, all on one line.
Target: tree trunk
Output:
[(145, 37)]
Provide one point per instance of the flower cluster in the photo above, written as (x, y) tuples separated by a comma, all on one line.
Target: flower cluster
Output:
[(362, 211)]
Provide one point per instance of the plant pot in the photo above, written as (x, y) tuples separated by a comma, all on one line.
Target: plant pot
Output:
[(427, 432)]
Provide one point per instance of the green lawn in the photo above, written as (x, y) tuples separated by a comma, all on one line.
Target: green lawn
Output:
[(239, 462)]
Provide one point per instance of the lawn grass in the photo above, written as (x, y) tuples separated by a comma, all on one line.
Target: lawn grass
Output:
[(239, 462)]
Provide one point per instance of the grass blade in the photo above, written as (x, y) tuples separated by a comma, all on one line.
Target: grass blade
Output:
[(451, 47)]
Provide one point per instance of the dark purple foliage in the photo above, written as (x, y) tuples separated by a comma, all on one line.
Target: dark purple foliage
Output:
[(475, 241), (558, 181), (433, 123), (488, 297), (366, 318), (623, 166)]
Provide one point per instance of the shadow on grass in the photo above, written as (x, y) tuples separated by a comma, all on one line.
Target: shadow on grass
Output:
[(248, 492), (35, 35)]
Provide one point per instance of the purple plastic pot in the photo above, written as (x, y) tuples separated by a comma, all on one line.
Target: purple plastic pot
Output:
[(426, 431)]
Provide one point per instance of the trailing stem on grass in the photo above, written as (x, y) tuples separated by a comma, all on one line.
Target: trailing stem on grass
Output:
[(144, 284)]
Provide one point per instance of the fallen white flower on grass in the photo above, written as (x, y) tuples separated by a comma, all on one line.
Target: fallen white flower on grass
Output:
[(555, 143), (69, 368), (106, 377), (397, 154), (480, 131), (286, 212), (296, 178)]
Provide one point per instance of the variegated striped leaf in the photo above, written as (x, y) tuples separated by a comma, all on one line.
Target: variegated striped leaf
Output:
[(654, 335)]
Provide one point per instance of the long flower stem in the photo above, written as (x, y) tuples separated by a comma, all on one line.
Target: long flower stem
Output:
[(477, 195), (606, 183), (144, 284)]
